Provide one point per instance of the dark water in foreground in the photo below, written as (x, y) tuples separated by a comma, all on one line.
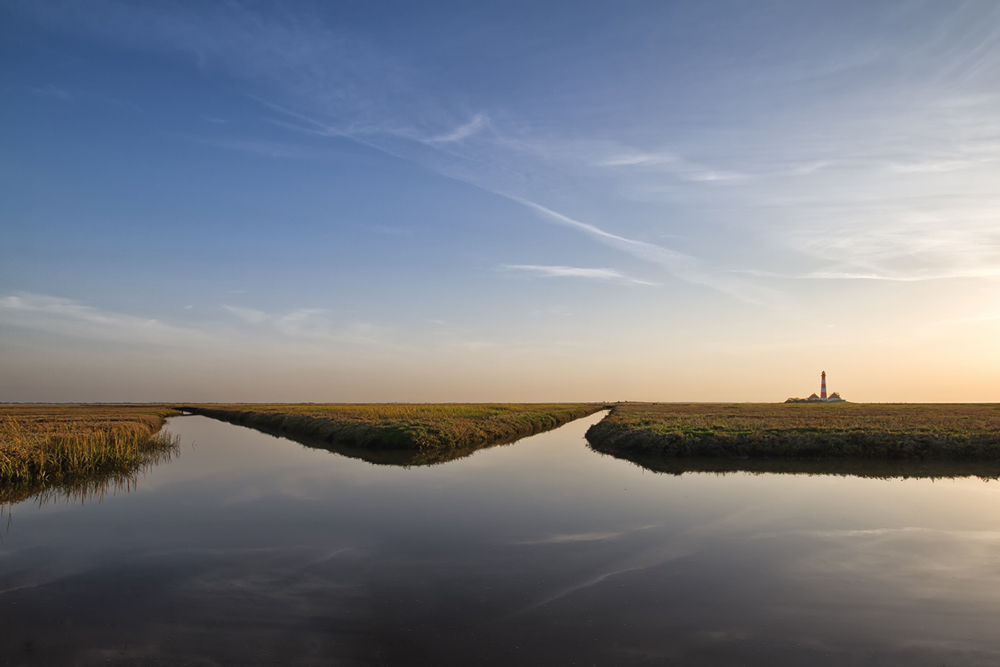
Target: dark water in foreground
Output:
[(250, 549)]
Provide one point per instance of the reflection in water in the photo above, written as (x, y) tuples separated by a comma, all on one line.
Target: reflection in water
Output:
[(870, 468), (253, 550), (405, 458), (303, 430), (94, 485)]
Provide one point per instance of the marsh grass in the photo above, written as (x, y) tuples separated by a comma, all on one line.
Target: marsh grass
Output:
[(400, 434), (78, 451), (937, 432)]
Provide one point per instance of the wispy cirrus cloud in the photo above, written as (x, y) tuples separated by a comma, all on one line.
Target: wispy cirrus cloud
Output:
[(903, 242), (684, 267), (76, 319), (569, 538), (311, 324), (672, 164), (605, 275), (349, 97), (294, 57), (464, 131), (858, 275), (248, 315), (887, 141), (638, 159), (67, 317)]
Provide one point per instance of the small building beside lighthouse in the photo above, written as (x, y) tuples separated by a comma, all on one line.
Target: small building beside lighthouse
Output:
[(822, 398)]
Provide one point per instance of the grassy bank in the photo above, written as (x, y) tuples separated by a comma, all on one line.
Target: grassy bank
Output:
[(77, 448), (400, 434), (901, 432)]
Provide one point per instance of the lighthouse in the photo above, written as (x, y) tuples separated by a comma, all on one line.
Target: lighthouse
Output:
[(832, 398)]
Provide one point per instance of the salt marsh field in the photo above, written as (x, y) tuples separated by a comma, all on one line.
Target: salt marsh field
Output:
[(245, 548), (499, 333)]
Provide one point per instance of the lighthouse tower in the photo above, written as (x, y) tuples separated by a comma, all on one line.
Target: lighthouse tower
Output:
[(822, 387)]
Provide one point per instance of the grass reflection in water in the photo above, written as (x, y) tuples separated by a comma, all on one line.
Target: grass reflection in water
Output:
[(400, 434), (78, 452), (843, 467)]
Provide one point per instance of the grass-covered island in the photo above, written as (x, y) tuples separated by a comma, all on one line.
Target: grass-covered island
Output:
[(801, 437), (400, 434), (77, 448)]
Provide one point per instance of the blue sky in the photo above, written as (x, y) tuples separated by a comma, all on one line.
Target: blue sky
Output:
[(499, 201)]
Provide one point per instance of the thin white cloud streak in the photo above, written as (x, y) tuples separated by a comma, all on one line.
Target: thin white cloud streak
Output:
[(606, 275), (66, 317), (901, 278), (672, 164), (478, 122), (248, 315), (936, 166), (74, 319), (637, 159), (684, 267), (674, 261), (312, 324), (572, 538)]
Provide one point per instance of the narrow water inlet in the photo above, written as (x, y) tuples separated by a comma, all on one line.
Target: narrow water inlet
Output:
[(540, 552)]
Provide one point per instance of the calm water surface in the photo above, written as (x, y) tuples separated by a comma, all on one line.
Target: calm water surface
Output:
[(251, 549)]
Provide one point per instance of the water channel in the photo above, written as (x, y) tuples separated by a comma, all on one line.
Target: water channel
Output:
[(250, 549)]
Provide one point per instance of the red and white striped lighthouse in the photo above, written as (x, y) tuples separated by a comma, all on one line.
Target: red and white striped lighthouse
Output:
[(822, 387)]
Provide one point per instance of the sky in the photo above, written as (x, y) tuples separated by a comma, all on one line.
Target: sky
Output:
[(499, 201)]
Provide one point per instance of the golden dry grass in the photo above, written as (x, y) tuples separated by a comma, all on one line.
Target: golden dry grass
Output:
[(430, 433), (76, 447), (890, 431)]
